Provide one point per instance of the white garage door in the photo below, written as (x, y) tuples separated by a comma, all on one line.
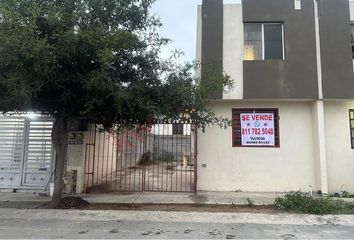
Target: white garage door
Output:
[(26, 152)]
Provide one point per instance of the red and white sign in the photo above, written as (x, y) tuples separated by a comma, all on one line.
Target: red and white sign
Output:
[(257, 129)]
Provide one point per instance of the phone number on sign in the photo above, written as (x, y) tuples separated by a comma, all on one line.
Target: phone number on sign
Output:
[(257, 131)]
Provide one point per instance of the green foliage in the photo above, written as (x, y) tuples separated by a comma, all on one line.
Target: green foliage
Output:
[(347, 209), (345, 194), (81, 59), (189, 97), (96, 61), (342, 194), (146, 159), (99, 61), (305, 203)]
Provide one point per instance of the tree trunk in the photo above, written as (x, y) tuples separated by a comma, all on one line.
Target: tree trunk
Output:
[(60, 141)]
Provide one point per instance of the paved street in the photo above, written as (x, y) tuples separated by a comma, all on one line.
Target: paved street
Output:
[(134, 224)]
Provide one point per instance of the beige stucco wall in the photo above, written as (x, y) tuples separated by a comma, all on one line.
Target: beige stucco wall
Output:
[(233, 49), (232, 45), (319, 146), (340, 156), (76, 160), (289, 167)]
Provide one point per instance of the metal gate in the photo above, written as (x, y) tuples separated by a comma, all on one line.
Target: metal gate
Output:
[(157, 158), (26, 151)]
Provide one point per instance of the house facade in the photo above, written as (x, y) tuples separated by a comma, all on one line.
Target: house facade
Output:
[(292, 112), (292, 106)]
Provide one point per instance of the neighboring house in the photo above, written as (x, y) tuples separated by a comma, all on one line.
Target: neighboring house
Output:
[(292, 106), (26, 152)]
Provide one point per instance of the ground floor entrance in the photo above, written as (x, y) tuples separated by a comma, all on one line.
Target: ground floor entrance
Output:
[(26, 152), (156, 158)]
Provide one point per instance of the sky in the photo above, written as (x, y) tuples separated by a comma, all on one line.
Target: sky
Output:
[(179, 18)]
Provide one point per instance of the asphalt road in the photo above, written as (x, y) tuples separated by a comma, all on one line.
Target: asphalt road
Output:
[(77, 224)]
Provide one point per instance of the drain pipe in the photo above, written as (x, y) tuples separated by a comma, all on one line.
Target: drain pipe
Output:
[(318, 108), (317, 6)]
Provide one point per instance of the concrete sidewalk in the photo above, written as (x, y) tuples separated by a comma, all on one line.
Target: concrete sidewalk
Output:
[(236, 198), (31, 200), (22, 200)]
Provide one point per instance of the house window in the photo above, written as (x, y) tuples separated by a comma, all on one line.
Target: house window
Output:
[(263, 41), (352, 34), (351, 123), (255, 128), (177, 128)]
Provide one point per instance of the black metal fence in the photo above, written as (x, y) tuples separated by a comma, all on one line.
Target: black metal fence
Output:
[(158, 158)]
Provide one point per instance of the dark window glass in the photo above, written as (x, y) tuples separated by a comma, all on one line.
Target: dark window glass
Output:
[(351, 123), (273, 41), (177, 128), (352, 30)]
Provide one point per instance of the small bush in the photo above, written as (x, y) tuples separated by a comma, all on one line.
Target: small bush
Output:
[(349, 208), (305, 203), (146, 159)]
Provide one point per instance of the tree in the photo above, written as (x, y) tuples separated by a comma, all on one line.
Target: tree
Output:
[(96, 60)]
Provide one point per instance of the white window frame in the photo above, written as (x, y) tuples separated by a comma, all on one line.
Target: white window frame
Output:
[(263, 42)]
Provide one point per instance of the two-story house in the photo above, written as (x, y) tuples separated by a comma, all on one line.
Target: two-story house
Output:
[(292, 106)]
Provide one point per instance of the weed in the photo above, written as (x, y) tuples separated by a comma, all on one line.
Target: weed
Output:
[(342, 195), (305, 203), (146, 159), (249, 201), (348, 208)]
